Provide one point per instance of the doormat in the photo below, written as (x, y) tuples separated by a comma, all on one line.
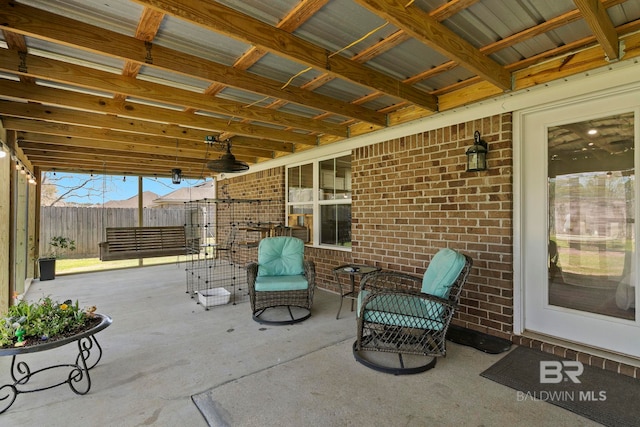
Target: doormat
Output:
[(603, 396), (481, 341)]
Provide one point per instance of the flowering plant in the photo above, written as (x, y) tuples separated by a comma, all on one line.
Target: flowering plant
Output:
[(42, 321)]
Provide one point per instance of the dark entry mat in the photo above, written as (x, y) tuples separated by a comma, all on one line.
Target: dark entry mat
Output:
[(481, 341), (603, 396)]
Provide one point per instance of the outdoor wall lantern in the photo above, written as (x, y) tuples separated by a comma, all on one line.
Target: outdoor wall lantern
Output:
[(176, 176), (477, 154)]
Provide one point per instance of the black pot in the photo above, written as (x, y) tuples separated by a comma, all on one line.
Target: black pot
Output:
[(47, 268)]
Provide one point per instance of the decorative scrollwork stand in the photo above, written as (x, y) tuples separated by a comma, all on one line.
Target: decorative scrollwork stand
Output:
[(77, 374)]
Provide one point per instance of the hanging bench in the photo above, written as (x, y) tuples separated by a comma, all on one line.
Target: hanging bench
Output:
[(144, 242)]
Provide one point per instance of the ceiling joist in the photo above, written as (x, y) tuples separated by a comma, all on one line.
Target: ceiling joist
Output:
[(82, 78), (224, 20)]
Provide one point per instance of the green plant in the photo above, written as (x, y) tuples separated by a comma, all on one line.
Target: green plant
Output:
[(60, 245), (43, 320)]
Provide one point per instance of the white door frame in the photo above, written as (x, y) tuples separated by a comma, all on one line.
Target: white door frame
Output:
[(520, 227)]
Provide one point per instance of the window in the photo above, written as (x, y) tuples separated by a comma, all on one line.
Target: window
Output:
[(319, 201)]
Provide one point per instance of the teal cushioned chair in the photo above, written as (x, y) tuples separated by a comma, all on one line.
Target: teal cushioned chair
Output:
[(403, 319), (281, 280)]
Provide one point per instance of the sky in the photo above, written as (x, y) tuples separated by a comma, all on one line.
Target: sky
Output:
[(114, 187)]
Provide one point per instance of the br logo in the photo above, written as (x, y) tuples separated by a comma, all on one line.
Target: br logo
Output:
[(554, 372)]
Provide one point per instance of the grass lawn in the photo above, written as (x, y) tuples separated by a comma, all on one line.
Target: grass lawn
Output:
[(64, 266)]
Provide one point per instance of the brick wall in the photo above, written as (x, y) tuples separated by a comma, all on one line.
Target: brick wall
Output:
[(413, 196)]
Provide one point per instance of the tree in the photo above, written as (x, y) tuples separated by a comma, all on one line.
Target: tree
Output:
[(57, 189)]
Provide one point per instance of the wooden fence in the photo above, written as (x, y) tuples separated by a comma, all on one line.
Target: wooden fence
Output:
[(87, 225)]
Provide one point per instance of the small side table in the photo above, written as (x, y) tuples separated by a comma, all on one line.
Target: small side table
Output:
[(352, 270)]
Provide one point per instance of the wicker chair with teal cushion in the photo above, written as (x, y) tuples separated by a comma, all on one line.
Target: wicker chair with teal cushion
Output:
[(281, 283), (403, 319)]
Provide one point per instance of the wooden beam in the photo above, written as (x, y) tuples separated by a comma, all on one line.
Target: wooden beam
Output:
[(76, 75), (443, 12), (568, 65), (18, 43), (225, 20), (75, 165), (429, 31), (595, 15), (186, 149), (100, 104), (60, 166), (101, 134), (68, 116), (450, 8), (79, 153), (35, 22), (148, 26)]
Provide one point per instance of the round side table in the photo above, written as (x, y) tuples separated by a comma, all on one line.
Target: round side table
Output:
[(349, 291)]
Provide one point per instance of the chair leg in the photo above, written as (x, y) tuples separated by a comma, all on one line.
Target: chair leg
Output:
[(383, 361), (276, 320)]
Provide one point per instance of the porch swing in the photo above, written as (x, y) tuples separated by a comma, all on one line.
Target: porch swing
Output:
[(141, 242)]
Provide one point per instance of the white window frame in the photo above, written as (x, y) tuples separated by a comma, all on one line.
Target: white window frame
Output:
[(316, 203)]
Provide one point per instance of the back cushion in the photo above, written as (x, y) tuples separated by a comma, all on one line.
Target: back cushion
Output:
[(442, 272), (280, 256)]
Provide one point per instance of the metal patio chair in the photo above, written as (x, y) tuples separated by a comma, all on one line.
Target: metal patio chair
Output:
[(402, 319), (281, 283)]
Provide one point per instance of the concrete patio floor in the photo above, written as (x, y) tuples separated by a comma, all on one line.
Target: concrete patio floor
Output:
[(163, 348)]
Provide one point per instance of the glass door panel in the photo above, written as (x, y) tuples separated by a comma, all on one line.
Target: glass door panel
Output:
[(591, 218)]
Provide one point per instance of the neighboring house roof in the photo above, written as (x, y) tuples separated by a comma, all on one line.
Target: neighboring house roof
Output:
[(147, 201), (206, 190)]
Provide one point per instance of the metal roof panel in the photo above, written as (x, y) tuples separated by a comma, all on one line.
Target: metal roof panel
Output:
[(342, 22), (60, 52), (168, 78), (192, 39), (270, 12), (119, 16), (282, 69)]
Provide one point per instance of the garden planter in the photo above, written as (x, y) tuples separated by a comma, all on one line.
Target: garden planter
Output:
[(47, 268)]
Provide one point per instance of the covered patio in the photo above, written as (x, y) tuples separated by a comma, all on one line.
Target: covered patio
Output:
[(362, 123), (163, 349)]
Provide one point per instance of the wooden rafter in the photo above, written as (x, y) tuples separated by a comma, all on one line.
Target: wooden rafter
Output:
[(105, 105), (78, 115), (222, 19), (76, 75), (37, 23), (595, 15), (429, 31)]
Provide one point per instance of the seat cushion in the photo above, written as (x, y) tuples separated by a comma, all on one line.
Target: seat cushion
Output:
[(280, 256), (442, 272), (280, 283), (403, 310)]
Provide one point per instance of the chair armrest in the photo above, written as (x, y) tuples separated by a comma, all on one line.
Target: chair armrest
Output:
[(252, 273), (310, 272), (390, 280)]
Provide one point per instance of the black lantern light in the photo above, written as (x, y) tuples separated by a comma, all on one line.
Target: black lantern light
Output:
[(477, 154), (176, 175)]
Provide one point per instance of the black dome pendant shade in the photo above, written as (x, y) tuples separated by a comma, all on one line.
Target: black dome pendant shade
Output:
[(227, 163)]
